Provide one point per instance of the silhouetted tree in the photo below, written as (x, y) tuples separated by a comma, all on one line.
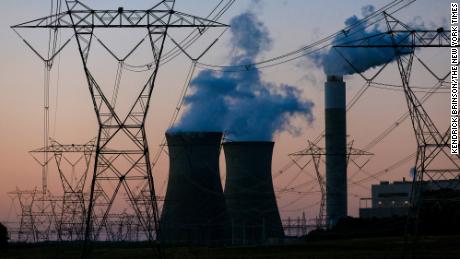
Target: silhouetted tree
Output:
[(3, 237)]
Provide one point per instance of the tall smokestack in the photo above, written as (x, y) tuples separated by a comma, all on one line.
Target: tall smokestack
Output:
[(194, 211), (336, 148), (249, 192)]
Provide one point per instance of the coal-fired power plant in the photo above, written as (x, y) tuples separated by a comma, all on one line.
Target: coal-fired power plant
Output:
[(336, 149), (194, 210), (249, 192)]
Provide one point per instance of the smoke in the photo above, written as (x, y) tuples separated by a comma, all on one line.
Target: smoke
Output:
[(336, 61), (241, 104)]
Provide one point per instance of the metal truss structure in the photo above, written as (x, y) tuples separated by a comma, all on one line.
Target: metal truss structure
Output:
[(27, 229), (296, 227), (70, 214), (44, 216), (316, 154), (127, 167), (36, 216), (433, 161), (44, 206)]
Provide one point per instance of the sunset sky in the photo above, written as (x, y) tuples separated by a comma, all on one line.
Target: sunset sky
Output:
[(291, 25)]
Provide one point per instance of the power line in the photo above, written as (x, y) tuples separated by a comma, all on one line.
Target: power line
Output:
[(370, 20)]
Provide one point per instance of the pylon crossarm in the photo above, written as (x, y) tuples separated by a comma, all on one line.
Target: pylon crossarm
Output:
[(422, 38), (56, 147), (121, 18)]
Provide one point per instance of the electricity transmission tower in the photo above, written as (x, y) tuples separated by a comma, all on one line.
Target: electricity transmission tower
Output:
[(122, 153), (43, 209), (316, 153), (70, 221), (27, 231), (433, 160)]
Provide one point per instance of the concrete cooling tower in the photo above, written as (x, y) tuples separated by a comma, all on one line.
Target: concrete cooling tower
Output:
[(336, 149), (194, 210), (249, 192)]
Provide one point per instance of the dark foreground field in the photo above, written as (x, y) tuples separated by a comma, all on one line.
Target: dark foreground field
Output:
[(427, 247)]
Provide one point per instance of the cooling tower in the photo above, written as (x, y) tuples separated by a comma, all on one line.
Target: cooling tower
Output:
[(336, 148), (194, 210), (249, 192)]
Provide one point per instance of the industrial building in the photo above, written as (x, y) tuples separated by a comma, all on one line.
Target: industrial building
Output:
[(194, 210), (249, 192), (393, 198)]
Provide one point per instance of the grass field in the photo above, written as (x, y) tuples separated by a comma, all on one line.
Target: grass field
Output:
[(388, 248)]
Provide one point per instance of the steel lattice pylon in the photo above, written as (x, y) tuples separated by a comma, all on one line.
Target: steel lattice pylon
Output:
[(110, 159), (316, 152), (432, 145), (70, 216), (433, 160), (27, 231)]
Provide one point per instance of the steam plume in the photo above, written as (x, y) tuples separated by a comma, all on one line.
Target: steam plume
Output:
[(242, 104), (334, 61)]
